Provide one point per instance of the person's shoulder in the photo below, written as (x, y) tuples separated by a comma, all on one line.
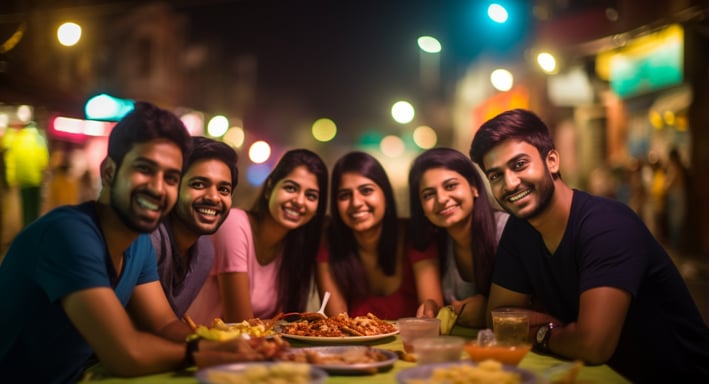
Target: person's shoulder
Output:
[(601, 204)]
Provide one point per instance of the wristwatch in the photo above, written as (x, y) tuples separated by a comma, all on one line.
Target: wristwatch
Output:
[(541, 342)]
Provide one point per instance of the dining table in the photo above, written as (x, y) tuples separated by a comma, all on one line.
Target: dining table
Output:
[(536, 363)]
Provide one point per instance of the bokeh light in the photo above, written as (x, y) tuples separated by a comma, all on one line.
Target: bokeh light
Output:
[(502, 79), (392, 146), (547, 62), (497, 13), (235, 137), (217, 126), (324, 130), (194, 122), (69, 34), (425, 137), (429, 44), (259, 152), (402, 112), (256, 174)]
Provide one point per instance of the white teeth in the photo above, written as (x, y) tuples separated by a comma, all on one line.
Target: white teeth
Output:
[(447, 209), (291, 212), (358, 215), (207, 211), (519, 196), (146, 204)]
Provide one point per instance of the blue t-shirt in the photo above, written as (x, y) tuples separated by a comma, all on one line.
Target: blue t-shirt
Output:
[(60, 253), (606, 244)]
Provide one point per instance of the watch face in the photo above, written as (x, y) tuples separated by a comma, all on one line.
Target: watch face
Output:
[(542, 332)]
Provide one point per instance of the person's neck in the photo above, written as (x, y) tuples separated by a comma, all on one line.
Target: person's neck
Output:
[(117, 235), (268, 238), (183, 237), (368, 241), (460, 233), (551, 223)]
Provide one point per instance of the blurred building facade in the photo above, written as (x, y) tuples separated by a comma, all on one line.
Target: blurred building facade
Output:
[(632, 84)]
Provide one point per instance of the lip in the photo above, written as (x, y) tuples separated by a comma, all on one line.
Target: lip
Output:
[(448, 211)]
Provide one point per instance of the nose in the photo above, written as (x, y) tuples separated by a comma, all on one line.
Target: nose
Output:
[(511, 181), (299, 198), (441, 197), (356, 200), (212, 193), (157, 184)]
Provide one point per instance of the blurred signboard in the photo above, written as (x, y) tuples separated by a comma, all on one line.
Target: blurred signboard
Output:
[(645, 64)]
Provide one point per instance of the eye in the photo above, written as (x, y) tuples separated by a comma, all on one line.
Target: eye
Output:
[(312, 196), (225, 190), (344, 195), (451, 186), (289, 188), (172, 178), (519, 165), (366, 191), (427, 195), (197, 184), (493, 176)]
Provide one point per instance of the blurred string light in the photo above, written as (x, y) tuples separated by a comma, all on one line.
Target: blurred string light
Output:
[(425, 137), (324, 130), (217, 126), (392, 146), (502, 79), (547, 62), (194, 122), (259, 152), (69, 34), (497, 13), (235, 137), (402, 112), (107, 107), (429, 44)]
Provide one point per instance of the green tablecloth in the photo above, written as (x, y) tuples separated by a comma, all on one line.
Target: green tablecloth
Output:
[(532, 361)]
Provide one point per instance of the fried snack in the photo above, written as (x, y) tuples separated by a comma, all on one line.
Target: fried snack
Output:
[(448, 317), (278, 373), (340, 325), (486, 372), (221, 331)]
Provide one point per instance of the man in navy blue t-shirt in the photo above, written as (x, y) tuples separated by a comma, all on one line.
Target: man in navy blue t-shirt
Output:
[(603, 289)]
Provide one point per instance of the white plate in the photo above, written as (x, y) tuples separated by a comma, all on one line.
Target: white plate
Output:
[(340, 339), (425, 371), (317, 375), (367, 368)]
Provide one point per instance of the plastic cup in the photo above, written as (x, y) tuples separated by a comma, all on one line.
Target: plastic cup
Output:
[(511, 327), (412, 328)]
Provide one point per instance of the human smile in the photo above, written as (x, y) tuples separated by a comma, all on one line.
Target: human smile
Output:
[(144, 203), (519, 196)]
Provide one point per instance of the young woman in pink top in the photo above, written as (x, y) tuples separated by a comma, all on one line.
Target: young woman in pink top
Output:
[(265, 257), (367, 263)]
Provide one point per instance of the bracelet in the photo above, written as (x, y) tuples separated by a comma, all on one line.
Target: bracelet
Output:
[(191, 346)]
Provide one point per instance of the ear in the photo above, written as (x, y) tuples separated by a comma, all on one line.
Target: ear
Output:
[(108, 171), (552, 161), (474, 189)]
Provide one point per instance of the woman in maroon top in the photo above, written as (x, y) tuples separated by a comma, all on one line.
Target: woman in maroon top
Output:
[(366, 262)]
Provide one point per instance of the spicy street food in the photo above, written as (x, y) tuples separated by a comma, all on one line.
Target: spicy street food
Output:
[(340, 325), (219, 330), (486, 372), (349, 356), (285, 373)]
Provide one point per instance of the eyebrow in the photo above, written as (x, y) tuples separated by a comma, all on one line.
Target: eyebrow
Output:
[(510, 161)]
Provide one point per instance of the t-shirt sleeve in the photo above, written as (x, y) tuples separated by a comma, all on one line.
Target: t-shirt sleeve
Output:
[(613, 248), (72, 257), (233, 243)]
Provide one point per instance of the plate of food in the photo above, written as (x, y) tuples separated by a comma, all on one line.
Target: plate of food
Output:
[(343, 359), (266, 373), (339, 329), (484, 372)]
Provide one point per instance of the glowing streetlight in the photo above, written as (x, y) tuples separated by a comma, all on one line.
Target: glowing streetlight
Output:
[(69, 34), (259, 152), (324, 130), (502, 79), (547, 62), (425, 137), (497, 13), (217, 126), (402, 112)]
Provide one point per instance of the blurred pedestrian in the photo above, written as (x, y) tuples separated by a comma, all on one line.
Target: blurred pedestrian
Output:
[(676, 179)]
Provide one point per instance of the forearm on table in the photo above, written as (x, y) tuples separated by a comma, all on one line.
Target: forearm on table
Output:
[(571, 342)]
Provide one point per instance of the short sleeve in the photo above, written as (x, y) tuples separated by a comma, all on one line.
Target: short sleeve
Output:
[(415, 255)]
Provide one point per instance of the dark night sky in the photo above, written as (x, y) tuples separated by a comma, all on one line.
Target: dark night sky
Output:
[(344, 59)]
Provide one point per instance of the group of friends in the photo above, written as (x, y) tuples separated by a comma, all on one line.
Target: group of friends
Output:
[(81, 283)]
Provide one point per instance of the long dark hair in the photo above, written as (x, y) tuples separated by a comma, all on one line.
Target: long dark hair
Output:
[(483, 229), (345, 264), (300, 245)]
